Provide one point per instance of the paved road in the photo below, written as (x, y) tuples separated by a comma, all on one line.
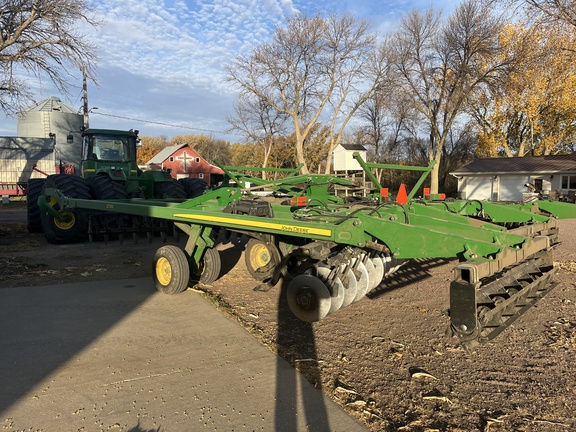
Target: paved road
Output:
[(117, 355)]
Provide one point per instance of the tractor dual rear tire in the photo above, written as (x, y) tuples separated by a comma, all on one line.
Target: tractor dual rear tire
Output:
[(33, 192), (76, 229)]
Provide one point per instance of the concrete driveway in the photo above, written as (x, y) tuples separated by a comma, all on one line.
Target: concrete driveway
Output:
[(117, 355)]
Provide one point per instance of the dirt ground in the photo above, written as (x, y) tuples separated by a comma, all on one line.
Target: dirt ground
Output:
[(385, 359)]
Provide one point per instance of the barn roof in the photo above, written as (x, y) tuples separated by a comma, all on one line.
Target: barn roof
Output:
[(165, 153), (527, 164)]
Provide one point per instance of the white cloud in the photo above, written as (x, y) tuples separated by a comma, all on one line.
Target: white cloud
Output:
[(164, 59)]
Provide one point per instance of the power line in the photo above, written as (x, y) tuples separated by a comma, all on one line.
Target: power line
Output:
[(163, 124)]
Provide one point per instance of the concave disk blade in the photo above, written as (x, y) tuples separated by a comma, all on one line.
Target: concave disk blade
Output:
[(336, 287)]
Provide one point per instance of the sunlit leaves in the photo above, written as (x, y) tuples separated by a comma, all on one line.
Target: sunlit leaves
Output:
[(532, 108)]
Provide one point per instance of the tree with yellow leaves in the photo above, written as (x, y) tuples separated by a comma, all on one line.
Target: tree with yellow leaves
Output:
[(532, 108), (207, 147), (150, 146)]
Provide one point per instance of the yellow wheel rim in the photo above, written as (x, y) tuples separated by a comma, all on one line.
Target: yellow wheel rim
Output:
[(260, 256), (163, 271), (66, 224)]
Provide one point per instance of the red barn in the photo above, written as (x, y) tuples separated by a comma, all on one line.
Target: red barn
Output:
[(183, 161)]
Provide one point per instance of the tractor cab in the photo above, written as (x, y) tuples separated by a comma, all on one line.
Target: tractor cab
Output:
[(109, 151)]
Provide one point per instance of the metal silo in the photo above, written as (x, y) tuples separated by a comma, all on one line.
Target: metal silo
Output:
[(53, 118)]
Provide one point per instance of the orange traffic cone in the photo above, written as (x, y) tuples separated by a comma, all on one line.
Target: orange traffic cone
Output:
[(402, 197)]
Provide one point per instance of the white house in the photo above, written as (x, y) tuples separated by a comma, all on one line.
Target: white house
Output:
[(505, 179)]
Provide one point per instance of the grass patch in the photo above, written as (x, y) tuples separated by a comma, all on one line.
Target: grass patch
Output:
[(216, 299)]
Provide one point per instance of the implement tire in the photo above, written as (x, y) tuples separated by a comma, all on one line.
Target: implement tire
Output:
[(208, 270), (76, 229), (171, 270), (261, 259), (34, 190)]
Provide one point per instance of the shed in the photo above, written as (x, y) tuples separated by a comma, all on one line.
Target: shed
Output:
[(18, 159), (505, 179), (346, 167), (343, 157), (183, 161)]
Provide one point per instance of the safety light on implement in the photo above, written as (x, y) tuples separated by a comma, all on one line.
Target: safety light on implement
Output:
[(300, 201), (384, 194), (428, 196)]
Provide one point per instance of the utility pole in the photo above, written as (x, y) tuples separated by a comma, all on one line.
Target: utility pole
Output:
[(85, 98)]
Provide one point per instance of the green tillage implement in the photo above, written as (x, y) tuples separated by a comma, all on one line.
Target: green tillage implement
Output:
[(487, 297), (334, 253)]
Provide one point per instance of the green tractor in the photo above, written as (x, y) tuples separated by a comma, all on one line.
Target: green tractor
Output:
[(109, 171)]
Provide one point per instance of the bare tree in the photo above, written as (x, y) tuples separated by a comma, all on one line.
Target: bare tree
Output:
[(315, 69), (41, 38), (547, 11), (438, 63), (215, 149), (258, 121), (390, 120)]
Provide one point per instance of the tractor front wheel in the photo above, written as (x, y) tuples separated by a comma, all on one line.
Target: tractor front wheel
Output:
[(193, 186), (169, 190), (171, 270)]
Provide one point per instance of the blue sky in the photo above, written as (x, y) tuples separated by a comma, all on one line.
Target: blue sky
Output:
[(161, 62)]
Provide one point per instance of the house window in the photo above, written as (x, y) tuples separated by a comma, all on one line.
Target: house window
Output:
[(569, 182), (201, 175), (197, 160), (171, 158)]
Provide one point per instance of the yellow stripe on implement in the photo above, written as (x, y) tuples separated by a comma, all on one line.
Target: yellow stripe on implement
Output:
[(259, 224)]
